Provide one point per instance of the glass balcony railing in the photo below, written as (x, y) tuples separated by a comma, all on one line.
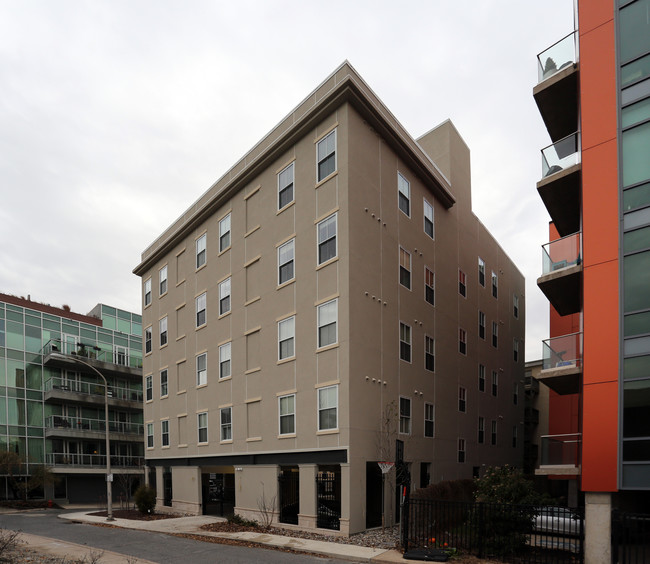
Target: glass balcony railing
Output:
[(561, 450), (557, 57), (92, 460), (561, 155), (93, 388), (97, 425), (94, 351), (561, 253), (562, 351)]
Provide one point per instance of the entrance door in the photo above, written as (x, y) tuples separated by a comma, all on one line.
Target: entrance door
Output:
[(289, 494), (373, 495)]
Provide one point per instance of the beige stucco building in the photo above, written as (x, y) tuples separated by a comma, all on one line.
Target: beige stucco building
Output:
[(330, 302)]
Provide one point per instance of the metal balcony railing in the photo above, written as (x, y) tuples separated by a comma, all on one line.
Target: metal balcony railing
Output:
[(561, 155), (97, 425), (92, 460), (557, 57), (561, 253), (93, 388), (561, 450), (93, 351), (564, 351)]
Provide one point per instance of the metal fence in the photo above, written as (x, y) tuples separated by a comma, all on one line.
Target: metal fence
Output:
[(289, 499), (630, 538), (328, 500), (512, 533)]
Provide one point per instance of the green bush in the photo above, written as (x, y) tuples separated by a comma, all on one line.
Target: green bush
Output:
[(145, 499), (239, 520)]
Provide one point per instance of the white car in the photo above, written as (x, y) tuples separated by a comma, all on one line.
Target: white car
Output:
[(559, 520)]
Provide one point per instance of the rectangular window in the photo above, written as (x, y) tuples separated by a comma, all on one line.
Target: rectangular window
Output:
[(481, 378), (286, 338), (495, 285), (147, 292), (328, 401), (202, 426), (286, 254), (494, 432), (201, 244), (202, 369), (327, 239), (429, 353), (164, 386), (495, 334), (224, 361), (226, 423), (462, 399), (515, 350), (287, 409), (224, 296), (428, 219), (429, 286), (481, 272), (429, 415), (462, 283), (164, 432), (404, 342), (481, 430), (327, 322), (149, 388), (405, 416), (514, 436), (201, 303), (285, 187), (481, 325), (326, 154), (163, 331), (162, 279), (462, 341), (149, 435), (404, 194), (147, 340), (495, 383), (461, 450), (405, 268), (515, 393), (515, 305), (224, 233)]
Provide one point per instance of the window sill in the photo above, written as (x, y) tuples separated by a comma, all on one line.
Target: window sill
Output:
[(285, 360), (327, 348), (328, 432), (225, 250), (180, 282), (164, 346), (201, 327), (253, 439), (284, 284), (289, 205), (202, 386), (202, 444), (228, 442), (182, 446), (221, 316), (164, 397), (326, 179), (204, 265), (252, 301), (251, 231), (165, 447), (225, 379), (327, 262), (149, 401), (179, 392), (253, 370), (180, 337), (288, 436), (163, 294)]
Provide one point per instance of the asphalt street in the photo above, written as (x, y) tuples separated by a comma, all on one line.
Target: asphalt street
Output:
[(157, 547)]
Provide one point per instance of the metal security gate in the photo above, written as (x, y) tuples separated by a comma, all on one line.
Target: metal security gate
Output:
[(289, 491), (328, 499), (630, 538)]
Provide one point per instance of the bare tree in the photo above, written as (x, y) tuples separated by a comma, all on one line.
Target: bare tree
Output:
[(266, 507)]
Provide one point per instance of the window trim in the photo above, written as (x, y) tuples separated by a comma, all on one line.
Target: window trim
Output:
[(481, 377), (147, 292), (197, 302), (164, 443), (480, 431), (495, 285), (163, 281), (405, 270), (515, 306), (462, 283), (494, 433), (283, 189), (426, 207), (201, 254), (495, 383), (292, 415), (222, 361), (319, 409), (462, 341), (150, 439), (148, 339), (405, 346), (148, 388), (319, 243), (199, 428), (431, 420), (162, 326), (431, 288), (403, 182), (326, 157), (164, 394), (291, 242), (495, 334), (462, 452), (291, 318), (462, 399), (227, 426), (335, 323), (227, 233), (428, 339), (481, 324), (408, 419), (226, 283), (201, 374), (481, 272)]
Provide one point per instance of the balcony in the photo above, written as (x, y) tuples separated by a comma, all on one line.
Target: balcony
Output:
[(562, 363), (62, 390), (561, 279), (560, 187), (560, 455), (556, 93), (84, 428), (91, 461)]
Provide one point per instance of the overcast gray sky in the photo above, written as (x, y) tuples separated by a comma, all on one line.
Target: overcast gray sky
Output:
[(116, 115)]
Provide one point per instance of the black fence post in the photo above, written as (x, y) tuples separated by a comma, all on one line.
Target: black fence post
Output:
[(481, 528), (405, 520)]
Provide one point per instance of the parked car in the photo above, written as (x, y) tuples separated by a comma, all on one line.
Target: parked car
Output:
[(559, 520)]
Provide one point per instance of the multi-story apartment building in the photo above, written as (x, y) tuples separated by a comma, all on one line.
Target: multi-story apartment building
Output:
[(594, 97), (52, 402), (535, 415), (329, 303)]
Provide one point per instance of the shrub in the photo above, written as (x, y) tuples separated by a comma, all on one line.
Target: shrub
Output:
[(145, 499), (239, 520), (448, 490)]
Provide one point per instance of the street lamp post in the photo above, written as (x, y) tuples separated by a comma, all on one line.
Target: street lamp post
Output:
[(109, 476)]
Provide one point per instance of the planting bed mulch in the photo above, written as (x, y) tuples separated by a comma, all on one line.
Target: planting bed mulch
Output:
[(135, 515)]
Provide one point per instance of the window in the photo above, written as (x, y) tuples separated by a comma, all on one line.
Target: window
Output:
[(224, 297), (515, 393), (514, 436), (286, 337), (202, 369), (461, 450), (328, 400), (481, 378), (481, 272), (515, 350), (495, 334), (494, 432), (201, 244), (285, 261), (202, 426), (287, 408), (462, 341), (404, 194), (481, 430), (200, 310), (462, 283), (428, 219), (147, 340), (327, 320), (226, 423), (326, 153), (149, 435), (147, 292), (327, 239), (164, 432), (285, 187), (495, 285), (224, 233), (429, 353), (149, 387), (405, 268), (429, 286), (224, 361), (163, 331), (515, 305), (164, 388), (481, 325), (462, 399), (162, 279), (429, 414), (405, 416), (495, 383), (404, 342)]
